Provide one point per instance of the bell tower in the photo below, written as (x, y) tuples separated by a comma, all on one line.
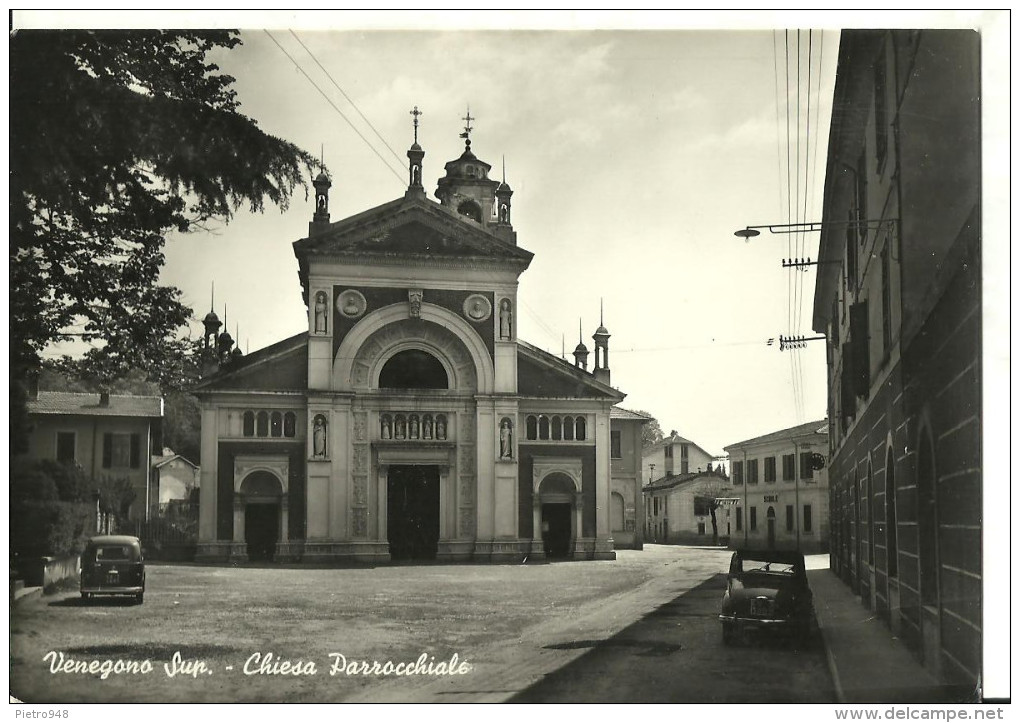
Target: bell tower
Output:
[(414, 163), (504, 229), (320, 219), (466, 188), (601, 337)]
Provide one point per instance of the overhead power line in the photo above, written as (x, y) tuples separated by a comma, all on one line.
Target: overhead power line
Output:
[(297, 65), (353, 104)]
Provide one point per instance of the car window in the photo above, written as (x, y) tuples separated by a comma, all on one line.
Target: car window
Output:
[(113, 552), (780, 568)]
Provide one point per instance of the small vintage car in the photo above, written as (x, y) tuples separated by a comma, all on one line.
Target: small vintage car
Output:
[(767, 589), (113, 565)]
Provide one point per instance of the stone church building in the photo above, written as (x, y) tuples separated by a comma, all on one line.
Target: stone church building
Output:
[(408, 421)]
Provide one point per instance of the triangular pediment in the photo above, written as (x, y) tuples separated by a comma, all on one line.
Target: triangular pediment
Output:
[(414, 229), (541, 374)]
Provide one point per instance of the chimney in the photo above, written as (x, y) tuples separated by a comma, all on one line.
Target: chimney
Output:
[(33, 386), (104, 399)]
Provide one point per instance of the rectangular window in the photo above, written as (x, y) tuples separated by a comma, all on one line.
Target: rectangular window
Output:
[(754, 518), (668, 451), (807, 518), (738, 472), (740, 519), (615, 445), (886, 300), (683, 451), (770, 469), (655, 505), (805, 466), (65, 447), (752, 472), (701, 528), (121, 451), (789, 518), (862, 203), (789, 467), (881, 119)]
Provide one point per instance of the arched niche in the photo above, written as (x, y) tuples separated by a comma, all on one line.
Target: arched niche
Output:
[(388, 331)]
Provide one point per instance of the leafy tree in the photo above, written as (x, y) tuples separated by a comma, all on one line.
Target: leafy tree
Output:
[(651, 432), (708, 498), (119, 138)]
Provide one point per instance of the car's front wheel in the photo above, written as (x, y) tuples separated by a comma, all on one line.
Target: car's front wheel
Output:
[(139, 597), (85, 596)]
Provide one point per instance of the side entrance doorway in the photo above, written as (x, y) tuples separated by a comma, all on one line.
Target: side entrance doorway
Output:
[(261, 527), (412, 511), (556, 528)]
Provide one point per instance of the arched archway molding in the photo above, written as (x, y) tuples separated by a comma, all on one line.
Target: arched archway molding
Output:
[(353, 369)]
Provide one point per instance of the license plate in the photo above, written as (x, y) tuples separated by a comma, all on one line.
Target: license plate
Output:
[(761, 607)]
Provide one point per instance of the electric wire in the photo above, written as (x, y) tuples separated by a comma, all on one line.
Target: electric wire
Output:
[(399, 176), (349, 100)]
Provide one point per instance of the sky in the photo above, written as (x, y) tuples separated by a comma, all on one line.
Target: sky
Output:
[(636, 144), (633, 156)]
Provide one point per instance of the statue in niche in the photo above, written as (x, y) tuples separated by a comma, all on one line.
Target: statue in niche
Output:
[(506, 440), (320, 312), (426, 428), (504, 213), (415, 176), (440, 428), (320, 201), (385, 432), (505, 320), (398, 428), (319, 437), (412, 428)]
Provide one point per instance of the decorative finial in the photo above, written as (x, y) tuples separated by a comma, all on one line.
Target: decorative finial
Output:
[(601, 323), (224, 317), (466, 135), (416, 113), (212, 299), (504, 170), (580, 334), (322, 156)]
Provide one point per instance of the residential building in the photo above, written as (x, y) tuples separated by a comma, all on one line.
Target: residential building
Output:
[(899, 299), (106, 435), (174, 478), (673, 455), (626, 510), (679, 507), (782, 489), (409, 420)]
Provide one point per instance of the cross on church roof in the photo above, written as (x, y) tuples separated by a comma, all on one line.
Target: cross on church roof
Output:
[(416, 113), (467, 126)]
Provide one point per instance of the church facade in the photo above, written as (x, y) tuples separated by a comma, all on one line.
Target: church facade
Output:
[(408, 421)]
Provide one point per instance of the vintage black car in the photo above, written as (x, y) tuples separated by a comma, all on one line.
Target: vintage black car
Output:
[(767, 589), (113, 565)]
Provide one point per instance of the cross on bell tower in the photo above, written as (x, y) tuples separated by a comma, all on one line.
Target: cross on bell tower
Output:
[(466, 135), (415, 155)]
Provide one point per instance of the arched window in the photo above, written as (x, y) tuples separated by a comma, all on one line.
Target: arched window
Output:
[(262, 426), (869, 505), (289, 424), (616, 507), (557, 428), (580, 431), (532, 426), (568, 428), (543, 427), (413, 369), (249, 424), (891, 550), (927, 521), (276, 424), (470, 209)]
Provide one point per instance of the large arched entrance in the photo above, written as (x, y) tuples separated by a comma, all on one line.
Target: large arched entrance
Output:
[(261, 494), (557, 496)]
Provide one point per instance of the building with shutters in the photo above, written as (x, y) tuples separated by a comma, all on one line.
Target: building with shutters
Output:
[(782, 490), (408, 420), (898, 297), (106, 435)]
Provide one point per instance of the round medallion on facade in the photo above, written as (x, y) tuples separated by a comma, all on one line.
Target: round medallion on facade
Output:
[(477, 308), (351, 303)]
